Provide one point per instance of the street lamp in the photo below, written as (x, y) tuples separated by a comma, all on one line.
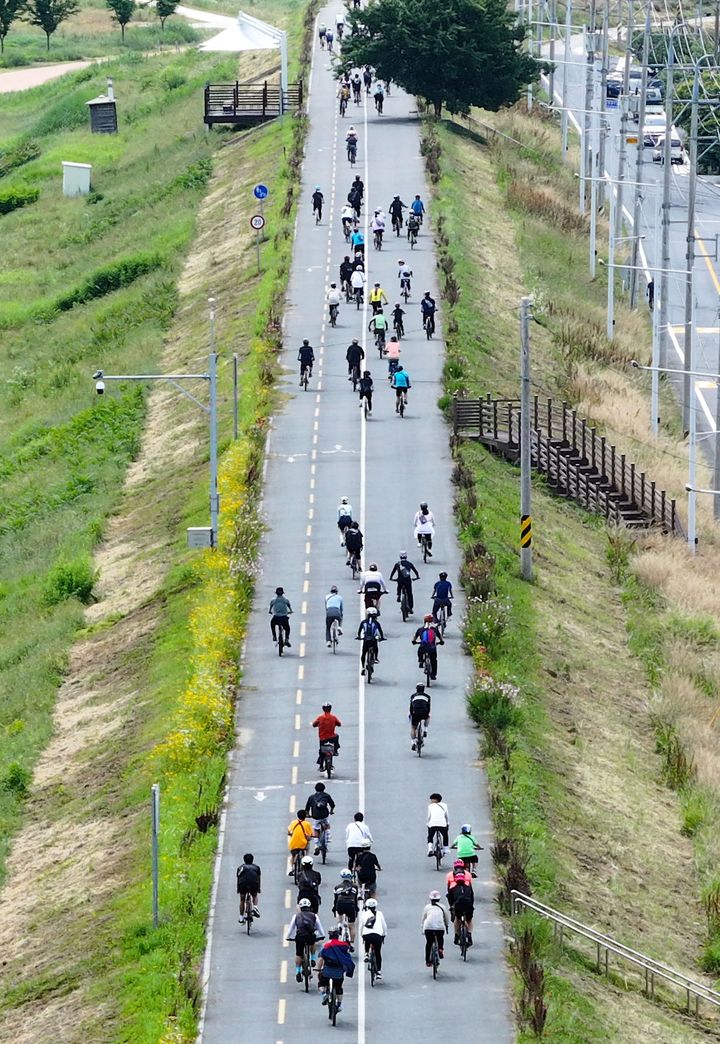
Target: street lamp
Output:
[(201, 536)]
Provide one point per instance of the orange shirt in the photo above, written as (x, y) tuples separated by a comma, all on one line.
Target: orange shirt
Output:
[(451, 880), (326, 724), (299, 833)]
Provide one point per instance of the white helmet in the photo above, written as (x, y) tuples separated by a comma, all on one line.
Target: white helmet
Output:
[(307, 861), (371, 904), (346, 874), (434, 896), (304, 904), (372, 611), (343, 500)]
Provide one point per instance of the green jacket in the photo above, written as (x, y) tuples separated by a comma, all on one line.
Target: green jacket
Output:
[(465, 844)]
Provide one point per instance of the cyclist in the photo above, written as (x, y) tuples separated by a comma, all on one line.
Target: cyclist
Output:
[(419, 713), (357, 284), (392, 351), (401, 384), (356, 84), (353, 542), (357, 242), (344, 518), (358, 187), (379, 326), (329, 38), (333, 611), (280, 610), (355, 833), (340, 27), (461, 900), (306, 356), (317, 203), (305, 929), (442, 595), (345, 897), (427, 639), (248, 883), (333, 298), (434, 923), (370, 632), (373, 930), (402, 573), (326, 724), (466, 846), (413, 226), (367, 866), (398, 324), (347, 219), (396, 213), (372, 586), (379, 97), (377, 298), (319, 806), (344, 96), (367, 78), (354, 355), (299, 834), (365, 389), (308, 883), (351, 142), (322, 30), (459, 872), (417, 207), (428, 309), (378, 226), (404, 275), (346, 270), (334, 962), (438, 821), (424, 526)]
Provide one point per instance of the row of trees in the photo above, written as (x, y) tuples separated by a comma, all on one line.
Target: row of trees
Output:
[(49, 14)]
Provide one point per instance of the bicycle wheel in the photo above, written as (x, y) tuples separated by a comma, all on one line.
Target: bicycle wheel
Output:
[(419, 741), (322, 844), (333, 316), (306, 968), (372, 966), (435, 959), (424, 548), (355, 378), (369, 667), (281, 641), (401, 409), (332, 1003), (405, 612), (297, 866), (334, 636), (463, 939), (438, 850), (328, 765), (427, 668), (248, 912)]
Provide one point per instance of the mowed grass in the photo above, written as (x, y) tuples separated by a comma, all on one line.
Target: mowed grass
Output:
[(63, 452)]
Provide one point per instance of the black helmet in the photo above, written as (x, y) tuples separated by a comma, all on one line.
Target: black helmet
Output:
[(279, 591), (305, 340), (327, 706), (334, 590), (423, 505), (443, 576)]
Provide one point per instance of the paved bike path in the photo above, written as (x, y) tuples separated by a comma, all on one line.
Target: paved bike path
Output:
[(321, 449)]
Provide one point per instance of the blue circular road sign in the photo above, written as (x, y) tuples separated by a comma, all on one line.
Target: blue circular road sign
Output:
[(260, 191)]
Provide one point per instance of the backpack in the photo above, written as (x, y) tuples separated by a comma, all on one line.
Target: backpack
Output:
[(371, 630), (428, 636), (305, 923), (321, 810), (404, 572), (347, 895), (461, 893)]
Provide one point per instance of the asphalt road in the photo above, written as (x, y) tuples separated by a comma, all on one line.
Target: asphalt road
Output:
[(320, 449), (706, 350)]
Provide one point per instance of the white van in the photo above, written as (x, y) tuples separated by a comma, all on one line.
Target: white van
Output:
[(654, 127), (677, 152)]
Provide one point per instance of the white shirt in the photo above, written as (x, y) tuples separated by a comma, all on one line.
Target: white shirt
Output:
[(434, 918), (424, 527), (357, 279), (334, 601), (356, 833), (334, 297), (437, 814), (344, 509), (373, 575), (378, 928), (378, 223), (427, 514), (404, 273), (347, 213)]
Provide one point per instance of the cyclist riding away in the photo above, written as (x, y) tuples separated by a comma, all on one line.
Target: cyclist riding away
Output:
[(357, 284), (401, 384), (398, 324), (402, 573), (320, 806), (427, 639), (378, 298), (326, 724), (345, 898), (356, 84), (353, 542), (317, 203), (333, 611), (392, 351), (395, 211), (438, 822), (373, 930), (413, 227), (305, 930), (372, 586), (306, 355), (344, 96), (348, 219), (367, 78), (434, 924), (344, 518), (354, 355), (459, 872), (417, 207), (424, 526), (340, 27), (419, 713), (365, 390), (358, 186), (329, 39), (357, 242), (442, 596), (334, 297), (355, 833), (248, 883), (466, 846), (346, 270), (299, 834), (280, 610), (370, 632), (404, 275), (379, 97), (461, 900), (351, 143), (308, 883), (322, 30), (366, 867), (428, 309), (379, 326), (334, 962)]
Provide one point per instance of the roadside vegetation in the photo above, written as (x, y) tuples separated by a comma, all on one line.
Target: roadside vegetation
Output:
[(593, 747), (96, 496)]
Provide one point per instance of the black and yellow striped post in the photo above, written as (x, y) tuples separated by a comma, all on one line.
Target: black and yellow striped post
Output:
[(526, 569), (525, 531)]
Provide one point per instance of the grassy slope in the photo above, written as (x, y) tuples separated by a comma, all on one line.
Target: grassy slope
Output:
[(587, 787), (87, 957)]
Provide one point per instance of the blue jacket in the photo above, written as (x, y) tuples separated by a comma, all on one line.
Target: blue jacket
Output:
[(337, 960), (442, 590), (401, 379)]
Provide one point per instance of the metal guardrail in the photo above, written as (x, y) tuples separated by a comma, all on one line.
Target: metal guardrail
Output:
[(652, 969), (241, 102)]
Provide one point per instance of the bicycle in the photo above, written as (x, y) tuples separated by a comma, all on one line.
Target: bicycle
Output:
[(401, 404), (307, 966), (427, 668), (366, 407), (322, 840), (380, 342), (405, 289), (281, 640), (332, 1002), (359, 297), (355, 377), (372, 965), (346, 234), (404, 603), (441, 619), (352, 154), (437, 839), (343, 106), (434, 958), (463, 935), (354, 564), (377, 238), (318, 214), (344, 928), (399, 328), (305, 375), (327, 753), (297, 864), (429, 324), (370, 661), (334, 314), (412, 237), (425, 545), (247, 911), (397, 223), (334, 635)]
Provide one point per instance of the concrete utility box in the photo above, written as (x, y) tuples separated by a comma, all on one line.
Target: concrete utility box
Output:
[(76, 178), (103, 112), (199, 536)]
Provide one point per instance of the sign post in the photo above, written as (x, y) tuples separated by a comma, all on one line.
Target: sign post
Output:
[(257, 221)]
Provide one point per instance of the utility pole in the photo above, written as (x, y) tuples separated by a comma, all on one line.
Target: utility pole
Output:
[(528, 25), (688, 404), (717, 59), (589, 83), (603, 103), (664, 281), (639, 158), (212, 375), (594, 179), (716, 463), (623, 125), (155, 831), (526, 568), (553, 34), (566, 63)]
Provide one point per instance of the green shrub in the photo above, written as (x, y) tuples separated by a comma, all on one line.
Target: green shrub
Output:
[(486, 623), (710, 960), (70, 580), (16, 780), (171, 79), (109, 278), (696, 809), (494, 704), (14, 198), (16, 155)]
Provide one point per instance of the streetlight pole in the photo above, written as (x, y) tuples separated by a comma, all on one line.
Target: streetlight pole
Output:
[(640, 155), (664, 283), (564, 113)]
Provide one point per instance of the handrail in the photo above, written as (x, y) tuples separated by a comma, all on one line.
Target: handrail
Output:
[(651, 967)]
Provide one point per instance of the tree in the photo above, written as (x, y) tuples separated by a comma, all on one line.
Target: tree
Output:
[(164, 9), (49, 14), (458, 53), (9, 11), (122, 10)]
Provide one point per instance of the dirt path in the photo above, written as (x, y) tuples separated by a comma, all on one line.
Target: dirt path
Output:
[(34, 76)]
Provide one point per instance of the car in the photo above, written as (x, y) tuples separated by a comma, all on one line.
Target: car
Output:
[(677, 152), (654, 126), (613, 88), (653, 104)]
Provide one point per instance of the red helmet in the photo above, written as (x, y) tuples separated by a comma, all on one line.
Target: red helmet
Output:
[(458, 864)]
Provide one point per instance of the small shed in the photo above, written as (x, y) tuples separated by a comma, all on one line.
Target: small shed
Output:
[(103, 112)]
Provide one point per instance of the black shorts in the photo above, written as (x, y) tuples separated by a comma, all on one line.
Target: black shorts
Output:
[(463, 907), (415, 719), (347, 909), (248, 890)]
